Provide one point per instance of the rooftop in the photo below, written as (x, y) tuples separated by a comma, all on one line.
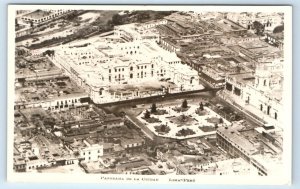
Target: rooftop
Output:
[(232, 134), (38, 14), (50, 88)]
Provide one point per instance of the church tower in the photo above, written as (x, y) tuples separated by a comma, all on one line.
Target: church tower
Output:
[(262, 77)]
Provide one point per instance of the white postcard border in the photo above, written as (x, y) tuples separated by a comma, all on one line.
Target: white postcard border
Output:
[(182, 179)]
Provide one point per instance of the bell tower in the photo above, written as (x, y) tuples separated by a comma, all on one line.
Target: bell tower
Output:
[(262, 77)]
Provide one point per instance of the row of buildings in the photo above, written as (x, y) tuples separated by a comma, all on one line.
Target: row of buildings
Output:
[(262, 147), (41, 16), (259, 92)]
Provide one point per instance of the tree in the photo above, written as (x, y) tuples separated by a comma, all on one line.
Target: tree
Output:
[(221, 120), (258, 27), (153, 108), (184, 104), (109, 23), (142, 15), (201, 106), (147, 114), (278, 29), (163, 128), (117, 19), (49, 53)]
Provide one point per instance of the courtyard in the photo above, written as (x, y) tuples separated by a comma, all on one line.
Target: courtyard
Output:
[(181, 123)]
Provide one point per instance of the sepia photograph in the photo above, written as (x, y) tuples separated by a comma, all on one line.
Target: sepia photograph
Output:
[(149, 94)]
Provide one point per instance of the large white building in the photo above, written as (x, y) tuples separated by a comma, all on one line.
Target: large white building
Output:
[(136, 31), (262, 91), (99, 66), (91, 152)]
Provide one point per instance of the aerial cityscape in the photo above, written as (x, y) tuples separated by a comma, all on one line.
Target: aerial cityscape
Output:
[(147, 92)]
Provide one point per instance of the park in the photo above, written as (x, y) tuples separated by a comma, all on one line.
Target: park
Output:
[(182, 121)]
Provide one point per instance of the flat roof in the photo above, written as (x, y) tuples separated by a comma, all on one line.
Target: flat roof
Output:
[(232, 134), (244, 77), (38, 14)]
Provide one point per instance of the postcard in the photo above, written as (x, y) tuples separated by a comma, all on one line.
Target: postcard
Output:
[(150, 94)]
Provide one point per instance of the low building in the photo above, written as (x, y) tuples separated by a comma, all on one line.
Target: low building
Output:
[(111, 121), (129, 165), (19, 164), (248, 147), (41, 16), (276, 39), (132, 145), (91, 152)]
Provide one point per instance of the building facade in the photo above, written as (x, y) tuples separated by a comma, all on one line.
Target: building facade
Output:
[(98, 67), (261, 90), (91, 152)]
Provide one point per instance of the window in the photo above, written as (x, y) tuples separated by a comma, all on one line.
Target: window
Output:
[(131, 68), (109, 70), (122, 69)]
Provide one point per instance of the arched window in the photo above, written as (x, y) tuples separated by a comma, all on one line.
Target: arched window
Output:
[(268, 110), (191, 81), (131, 68)]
